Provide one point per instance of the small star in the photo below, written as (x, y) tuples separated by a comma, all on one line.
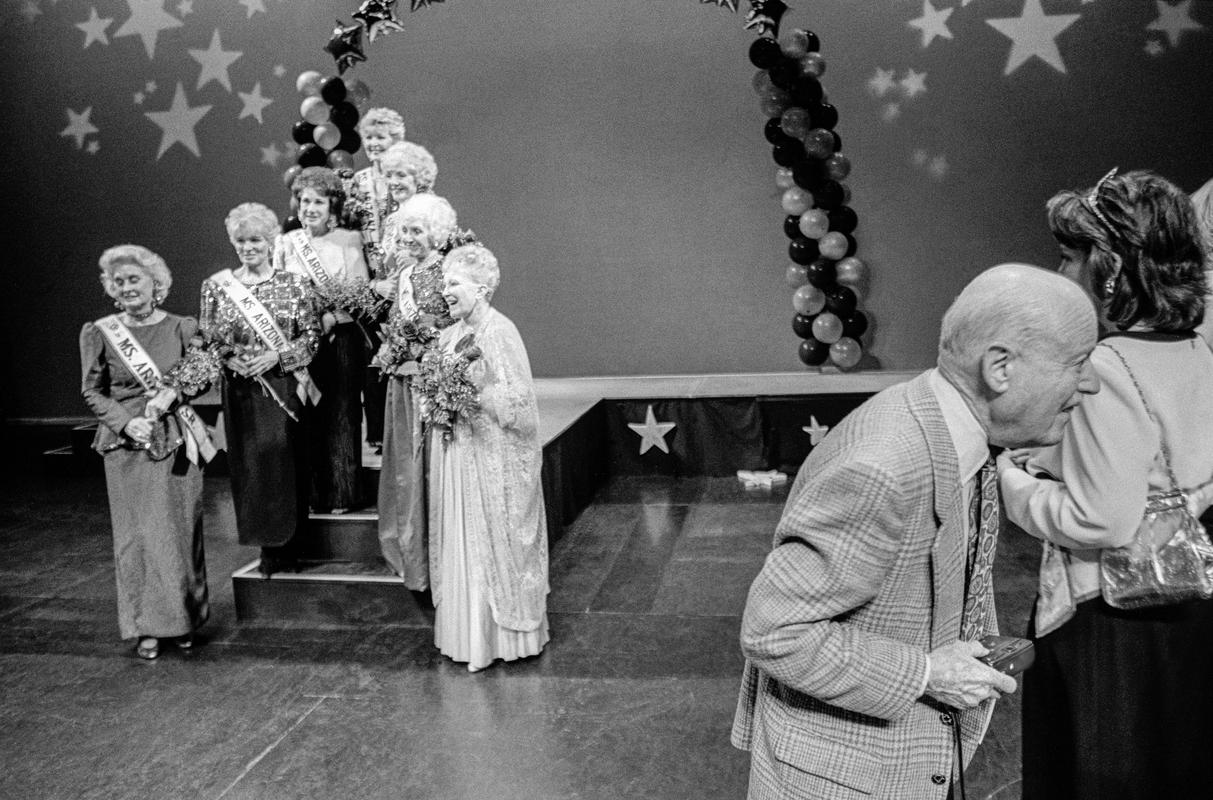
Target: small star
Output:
[(890, 112), (914, 83), (1153, 47), (79, 126), (94, 28), (177, 123), (185, 7), (1033, 33), (882, 82), (938, 167), (815, 430), (139, 98), (920, 157), (92, 147), (1174, 21), (932, 23), (150, 87), (271, 155), (31, 11), (254, 103), (252, 6), (147, 19), (279, 70), (651, 432), (215, 61)]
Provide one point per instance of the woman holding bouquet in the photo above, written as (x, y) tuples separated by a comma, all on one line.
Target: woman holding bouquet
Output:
[(488, 545), (154, 490), (265, 384), (331, 258), (408, 168), (427, 221)]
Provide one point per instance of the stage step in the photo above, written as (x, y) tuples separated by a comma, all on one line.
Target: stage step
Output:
[(343, 537), (333, 593)]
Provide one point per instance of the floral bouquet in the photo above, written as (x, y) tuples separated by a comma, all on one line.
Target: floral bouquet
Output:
[(195, 371), (358, 299), (405, 342), (458, 238), (445, 384)]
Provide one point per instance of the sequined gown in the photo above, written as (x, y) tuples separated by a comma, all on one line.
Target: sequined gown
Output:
[(267, 451), (488, 530), (402, 491), (373, 203), (154, 492)]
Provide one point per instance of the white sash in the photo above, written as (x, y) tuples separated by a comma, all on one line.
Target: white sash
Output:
[(262, 322), (302, 244), (405, 300), (140, 364)]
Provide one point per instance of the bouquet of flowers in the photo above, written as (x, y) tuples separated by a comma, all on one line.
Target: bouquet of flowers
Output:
[(358, 299), (446, 387), (405, 341), (458, 238), (196, 370)]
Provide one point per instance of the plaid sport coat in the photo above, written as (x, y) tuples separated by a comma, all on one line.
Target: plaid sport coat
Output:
[(867, 576)]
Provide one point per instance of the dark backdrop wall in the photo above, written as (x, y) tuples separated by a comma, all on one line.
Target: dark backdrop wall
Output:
[(609, 151)]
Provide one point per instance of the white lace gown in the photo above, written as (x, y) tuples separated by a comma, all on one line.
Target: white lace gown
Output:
[(488, 530)]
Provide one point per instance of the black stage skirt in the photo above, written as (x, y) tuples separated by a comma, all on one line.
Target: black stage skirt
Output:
[(339, 369), (1119, 705), (267, 457)]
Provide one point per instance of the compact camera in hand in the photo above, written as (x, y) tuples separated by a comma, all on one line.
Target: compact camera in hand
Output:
[(1008, 654)]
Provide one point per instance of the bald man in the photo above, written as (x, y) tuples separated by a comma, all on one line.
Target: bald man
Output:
[(862, 677)]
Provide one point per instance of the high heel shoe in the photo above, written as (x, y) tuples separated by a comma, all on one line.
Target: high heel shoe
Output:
[(148, 648)]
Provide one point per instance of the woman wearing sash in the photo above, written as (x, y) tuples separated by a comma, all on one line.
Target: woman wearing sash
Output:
[(408, 168), (264, 323), (488, 529), (330, 256), (154, 490), (427, 221)]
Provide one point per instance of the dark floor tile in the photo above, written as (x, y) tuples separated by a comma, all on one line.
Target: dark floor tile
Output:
[(635, 577)]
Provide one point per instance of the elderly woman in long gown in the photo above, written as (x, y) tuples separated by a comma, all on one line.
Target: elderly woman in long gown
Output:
[(154, 490), (488, 545), (325, 254), (426, 221), (264, 389)]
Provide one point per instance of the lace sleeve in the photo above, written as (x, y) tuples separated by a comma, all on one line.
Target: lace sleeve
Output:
[(508, 396)]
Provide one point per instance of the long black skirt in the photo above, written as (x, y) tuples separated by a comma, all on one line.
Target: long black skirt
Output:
[(1119, 705), (267, 456), (339, 369)]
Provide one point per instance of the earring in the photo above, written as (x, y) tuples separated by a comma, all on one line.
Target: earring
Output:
[(1109, 286), (118, 305)]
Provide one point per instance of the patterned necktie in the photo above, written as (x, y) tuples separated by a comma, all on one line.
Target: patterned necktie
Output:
[(979, 594)]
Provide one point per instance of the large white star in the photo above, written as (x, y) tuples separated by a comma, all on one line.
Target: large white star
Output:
[(914, 83), (815, 430), (1174, 20), (30, 11), (177, 124), (254, 103), (253, 6), (932, 23), (271, 155), (147, 19), (1033, 33), (79, 126), (94, 28), (882, 82), (215, 61), (652, 433)]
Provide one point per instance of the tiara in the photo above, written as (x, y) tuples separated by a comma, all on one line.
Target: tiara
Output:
[(1091, 201)]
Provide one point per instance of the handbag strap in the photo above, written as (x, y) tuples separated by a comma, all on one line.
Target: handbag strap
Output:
[(1162, 441)]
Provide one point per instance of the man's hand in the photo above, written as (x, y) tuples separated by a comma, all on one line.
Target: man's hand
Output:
[(959, 680)]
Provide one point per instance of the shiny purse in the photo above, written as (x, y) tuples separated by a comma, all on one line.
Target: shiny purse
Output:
[(1170, 556)]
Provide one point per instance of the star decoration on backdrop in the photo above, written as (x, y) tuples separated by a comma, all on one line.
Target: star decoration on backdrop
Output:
[(215, 61), (919, 157), (1033, 33), (764, 15), (416, 4), (731, 5), (1153, 48), (79, 126), (378, 17), (94, 28), (815, 430), (279, 70), (345, 46), (92, 147), (882, 82), (185, 7), (254, 103), (252, 7), (938, 167), (177, 124), (652, 433), (139, 97), (914, 83), (30, 11), (1174, 21), (271, 155), (890, 112), (933, 23), (147, 19), (149, 87)]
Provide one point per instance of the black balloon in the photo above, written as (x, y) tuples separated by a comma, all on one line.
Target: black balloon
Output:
[(843, 219), (773, 130), (841, 301), (824, 116), (855, 325), (814, 42), (788, 152), (803, 250), (791, 226), (351, 141), (312, 155), (808, 173), (837, 141), (822, 273), (344, 115), (291, 223), (802, 325), (301, 132), (765, 53), (852, 246), (785, 73), (808, 93), (333, 90), (828, 195), (813, 352)]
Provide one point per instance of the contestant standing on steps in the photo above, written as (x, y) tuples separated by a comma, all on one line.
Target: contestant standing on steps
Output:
[(408, 168), (489, 546), (154, 489), (328, 256), (426, 222), (265, 385)]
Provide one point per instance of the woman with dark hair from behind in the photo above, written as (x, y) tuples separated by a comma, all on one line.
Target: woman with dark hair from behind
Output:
[(1118, 704)]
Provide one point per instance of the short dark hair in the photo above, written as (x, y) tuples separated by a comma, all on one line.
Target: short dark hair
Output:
[(1150, 224), (323, 181)]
